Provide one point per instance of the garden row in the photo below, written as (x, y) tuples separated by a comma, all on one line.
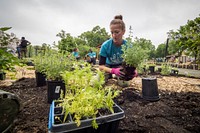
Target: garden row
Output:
[(79, 100)]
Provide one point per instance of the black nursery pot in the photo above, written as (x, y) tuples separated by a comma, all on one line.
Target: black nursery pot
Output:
[(129, 71), (150, 89), (174, 72), (152, 69), (159, 69), (40, 79), (54, 90), (2, 75)]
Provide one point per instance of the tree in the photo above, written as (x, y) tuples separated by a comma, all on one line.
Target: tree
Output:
[(188, 38), (160, 51), (147, 45), (95, 37), (66, 43)]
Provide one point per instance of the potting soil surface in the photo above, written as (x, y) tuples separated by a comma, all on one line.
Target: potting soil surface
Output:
[(177, 111)]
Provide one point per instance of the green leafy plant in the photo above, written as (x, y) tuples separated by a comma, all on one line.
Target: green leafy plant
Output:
[(166, 69), (55, 64), (85, 95), (7, 60), (5, 38), (133, 54), (40, 63)]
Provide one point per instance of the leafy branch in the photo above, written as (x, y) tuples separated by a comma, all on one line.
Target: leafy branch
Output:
[(85, 94)]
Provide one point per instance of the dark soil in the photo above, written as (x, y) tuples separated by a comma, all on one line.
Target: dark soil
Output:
[(128, 70), (177, 111)]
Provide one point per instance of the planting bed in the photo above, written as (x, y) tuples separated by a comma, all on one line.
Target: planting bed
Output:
[(178, 109)]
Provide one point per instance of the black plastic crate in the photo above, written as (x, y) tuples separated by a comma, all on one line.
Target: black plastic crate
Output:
[(106, 124)]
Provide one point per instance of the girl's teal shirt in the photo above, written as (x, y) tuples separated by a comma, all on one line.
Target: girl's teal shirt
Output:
[(112, 52)]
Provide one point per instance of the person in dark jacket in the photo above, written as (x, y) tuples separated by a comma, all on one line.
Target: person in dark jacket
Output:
[(23, 47)]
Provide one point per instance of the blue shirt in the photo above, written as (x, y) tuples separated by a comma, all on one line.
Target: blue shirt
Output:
[(92, 54), (76, 54), (112, 52)]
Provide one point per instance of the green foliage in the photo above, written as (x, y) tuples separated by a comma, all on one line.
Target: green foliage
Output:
[(40, 63), (6, 38), (66, 43), (83, 50), (89, 38), (7, 60), (160, 51), (5, 28), (95, 37), (146, 45), (134, 54), (141, 68), (166, 69), (57, 63), (52, 64), (85, 94), (187, 37), (173, 47)]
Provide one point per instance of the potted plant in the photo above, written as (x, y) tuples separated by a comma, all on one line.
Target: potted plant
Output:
[(133, 55), (40, 62), (86, 106), (166, 69), (152, 68), (55, 65)]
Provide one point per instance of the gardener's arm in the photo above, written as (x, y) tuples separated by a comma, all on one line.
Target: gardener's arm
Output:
[(102, 66)]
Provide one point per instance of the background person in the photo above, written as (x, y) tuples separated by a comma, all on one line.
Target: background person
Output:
[(91, 57), (111, 50), (75, 53), (18, 50), (23, 47)]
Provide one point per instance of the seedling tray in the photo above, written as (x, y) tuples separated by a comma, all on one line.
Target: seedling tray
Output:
[(106, 123)]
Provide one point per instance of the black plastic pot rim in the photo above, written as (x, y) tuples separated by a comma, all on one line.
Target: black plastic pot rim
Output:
[(149, 78)]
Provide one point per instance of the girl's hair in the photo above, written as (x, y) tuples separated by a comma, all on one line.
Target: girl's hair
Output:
[(75, 49), (118, 19)]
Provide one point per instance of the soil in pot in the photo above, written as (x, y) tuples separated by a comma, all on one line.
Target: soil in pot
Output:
[(128, 70)]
